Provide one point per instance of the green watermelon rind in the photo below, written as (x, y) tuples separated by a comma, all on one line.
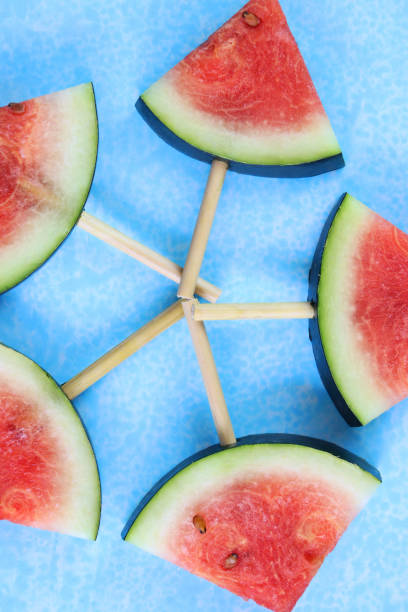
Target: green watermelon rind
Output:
[(150, 526), (248, 146), (351, 369), (72, 178), (81, 517)]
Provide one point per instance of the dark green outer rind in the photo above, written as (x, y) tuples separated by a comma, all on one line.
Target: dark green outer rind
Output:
[(86, 194), (58, 386), (314, 443), (314, 329), (290, 171)]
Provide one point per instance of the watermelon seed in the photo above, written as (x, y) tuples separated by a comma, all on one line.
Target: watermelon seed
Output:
[(231, 561), (251, 19), (311, 556), (17, 107), (199, 523)]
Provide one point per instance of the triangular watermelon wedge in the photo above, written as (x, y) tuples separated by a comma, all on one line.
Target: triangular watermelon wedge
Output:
[(48, 148), (359, 283), (245, 95), (48, 473), (257, 518)]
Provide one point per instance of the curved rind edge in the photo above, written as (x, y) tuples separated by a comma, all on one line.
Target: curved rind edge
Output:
[(58, 386), (292, 439), (81, 209), (314, 168), (314, 329)]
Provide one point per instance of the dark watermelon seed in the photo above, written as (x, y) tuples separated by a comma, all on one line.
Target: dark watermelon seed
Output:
[(251, 19), (312, 557), (17, 107), (199, 523), (231, 561)]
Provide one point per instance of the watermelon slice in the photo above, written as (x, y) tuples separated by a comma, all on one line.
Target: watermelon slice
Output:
[(257, 518), (48, 149), (245, 95), (48, 473), (360, 338)]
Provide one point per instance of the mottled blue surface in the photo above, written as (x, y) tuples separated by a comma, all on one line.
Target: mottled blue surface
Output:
[(151, 412)]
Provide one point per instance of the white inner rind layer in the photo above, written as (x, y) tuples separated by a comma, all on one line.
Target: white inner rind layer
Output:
[(351, 367), (79, 516), (248, 144), (66, 138), (203, 478)]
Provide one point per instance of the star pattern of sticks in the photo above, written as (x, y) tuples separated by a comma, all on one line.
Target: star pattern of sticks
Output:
[(187, 306), (189, 284)]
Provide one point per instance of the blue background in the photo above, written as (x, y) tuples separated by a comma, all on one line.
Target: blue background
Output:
[(151, 412)]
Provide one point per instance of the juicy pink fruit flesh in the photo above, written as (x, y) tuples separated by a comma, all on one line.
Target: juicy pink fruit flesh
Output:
[(380, 312), (218, 77), (23, 154), (31, 468), (264, 539)]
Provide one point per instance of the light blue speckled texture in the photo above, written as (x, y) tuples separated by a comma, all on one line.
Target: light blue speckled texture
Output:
[(151, 412)]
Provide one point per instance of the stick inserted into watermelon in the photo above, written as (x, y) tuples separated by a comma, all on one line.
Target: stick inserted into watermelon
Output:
[(48, 473), (358, 311), (255, 310), (242, 100), (257, 518), (48, 149)]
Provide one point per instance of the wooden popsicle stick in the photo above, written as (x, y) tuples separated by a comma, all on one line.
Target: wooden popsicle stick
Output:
[(122, 351), (210, 376), (147, 256), (202, 229), (232, 312)]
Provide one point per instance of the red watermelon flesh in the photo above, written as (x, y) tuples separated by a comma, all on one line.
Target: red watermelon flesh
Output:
[(48, 473), (381, 304), (29, 493), (246, 95), (284, 523), (19, 174), (218, 77), (48, 151)]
